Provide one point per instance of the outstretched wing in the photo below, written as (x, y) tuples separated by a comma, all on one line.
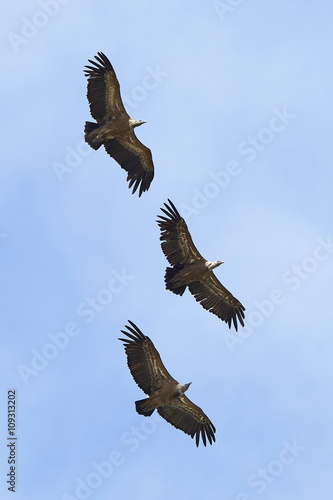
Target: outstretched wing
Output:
[(186, 416), (106, 105), (103, 90), (134, 157), (214, 297), (144, 361), (177, 244)]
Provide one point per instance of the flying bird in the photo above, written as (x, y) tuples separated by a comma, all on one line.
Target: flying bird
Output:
[(166, 395), (191, 270), (115, 128)]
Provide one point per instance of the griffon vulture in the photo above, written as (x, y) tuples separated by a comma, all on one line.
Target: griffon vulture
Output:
[(115, 128), (192, 270), (166, 395)]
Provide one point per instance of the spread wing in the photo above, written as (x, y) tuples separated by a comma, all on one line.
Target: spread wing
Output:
[(134, 157), (214, 297), (106, 105), (177, 244), (144, 361), (103, 90), (186, 416)]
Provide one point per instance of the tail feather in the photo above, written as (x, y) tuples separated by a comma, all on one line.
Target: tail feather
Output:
[(170, 282), (143, 407), (91, 127)]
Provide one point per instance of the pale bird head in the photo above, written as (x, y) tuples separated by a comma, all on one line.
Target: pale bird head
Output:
[(185, 387), (217, 263), (138, 123)]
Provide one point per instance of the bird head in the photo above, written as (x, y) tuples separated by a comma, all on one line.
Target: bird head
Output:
[(185, 387), (217, 263), (137, 123)]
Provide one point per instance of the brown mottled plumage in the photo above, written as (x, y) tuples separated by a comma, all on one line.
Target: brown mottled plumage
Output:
[(191, 270), (166, 395), (115, 128)]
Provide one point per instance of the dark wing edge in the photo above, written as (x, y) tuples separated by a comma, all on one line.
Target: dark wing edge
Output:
[(188, 417), (135, 158), (177, 243), (98, 69), (103, 88), (143, 359), (215, 298)]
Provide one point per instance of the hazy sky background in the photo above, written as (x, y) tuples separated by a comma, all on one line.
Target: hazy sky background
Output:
[(237, 96)]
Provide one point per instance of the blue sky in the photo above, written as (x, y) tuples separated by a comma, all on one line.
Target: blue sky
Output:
[(237, 97)]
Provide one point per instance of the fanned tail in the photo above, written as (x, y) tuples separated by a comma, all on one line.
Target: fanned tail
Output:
[(170, 282), (91, 127), (143, 407)]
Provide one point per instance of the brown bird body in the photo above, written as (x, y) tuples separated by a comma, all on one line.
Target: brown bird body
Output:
[(163, 396), (115, 128), (166, 395), (191, 270)]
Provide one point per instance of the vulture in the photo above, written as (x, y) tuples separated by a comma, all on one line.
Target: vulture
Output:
[(191, 270), (115, 128), (166, 395)]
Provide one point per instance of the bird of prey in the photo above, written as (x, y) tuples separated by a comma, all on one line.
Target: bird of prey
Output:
[(191, 270), (115, 128), (166, 395)]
